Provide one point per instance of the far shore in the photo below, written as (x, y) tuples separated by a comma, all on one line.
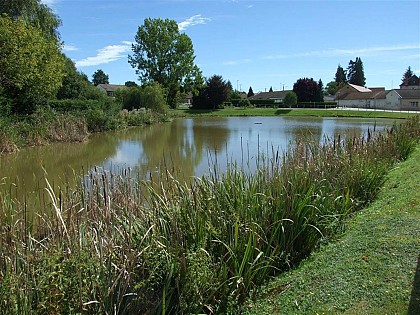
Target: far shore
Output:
[(311, 112)]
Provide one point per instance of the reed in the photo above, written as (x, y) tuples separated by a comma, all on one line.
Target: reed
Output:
[(118, 244)]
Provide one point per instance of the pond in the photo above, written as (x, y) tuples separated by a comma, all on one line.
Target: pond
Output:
[(188, 147)]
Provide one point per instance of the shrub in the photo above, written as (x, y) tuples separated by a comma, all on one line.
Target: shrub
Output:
[(244, 103), (153, 97), (150, 96), (290, 99), (129, 98)]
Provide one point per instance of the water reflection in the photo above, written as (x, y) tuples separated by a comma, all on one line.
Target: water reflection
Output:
[(183, 146)]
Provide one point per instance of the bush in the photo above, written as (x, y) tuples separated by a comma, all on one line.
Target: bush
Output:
[(244, 103), (91, 92), (290, 99), (74, 105), (129, 98), (151, 96)]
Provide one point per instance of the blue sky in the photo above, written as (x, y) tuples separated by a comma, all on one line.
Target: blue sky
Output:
[(261, 44)]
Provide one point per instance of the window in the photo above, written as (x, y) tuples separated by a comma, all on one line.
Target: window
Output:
[(414, 104)]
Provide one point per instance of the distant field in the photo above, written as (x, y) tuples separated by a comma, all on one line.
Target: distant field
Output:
[(232, 111)]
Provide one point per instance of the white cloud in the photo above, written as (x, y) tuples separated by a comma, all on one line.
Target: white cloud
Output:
[(106, 55), (70, 48), (369, 51), (194, 20), (236, 62)]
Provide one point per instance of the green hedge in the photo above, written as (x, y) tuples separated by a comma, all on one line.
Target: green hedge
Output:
[(273, 103)]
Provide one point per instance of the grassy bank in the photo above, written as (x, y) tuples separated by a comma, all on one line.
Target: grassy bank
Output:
[(373, 268), (48, 126), (116, 244), (233, 111)]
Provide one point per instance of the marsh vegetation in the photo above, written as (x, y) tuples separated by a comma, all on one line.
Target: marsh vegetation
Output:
[(116, 244)]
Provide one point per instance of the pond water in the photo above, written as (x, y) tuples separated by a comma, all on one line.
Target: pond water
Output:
[(188, 147)]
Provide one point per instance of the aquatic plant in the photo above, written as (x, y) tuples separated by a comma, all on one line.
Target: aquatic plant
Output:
[(119, 244)]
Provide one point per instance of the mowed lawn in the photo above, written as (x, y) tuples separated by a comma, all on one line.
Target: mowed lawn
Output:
[(372, 268), (237, 111)]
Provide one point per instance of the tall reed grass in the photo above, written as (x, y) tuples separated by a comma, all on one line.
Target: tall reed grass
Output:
[(117, 244)]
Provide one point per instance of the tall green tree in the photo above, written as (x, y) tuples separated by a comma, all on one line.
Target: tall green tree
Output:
[(100, 77), (250, 92), (355, 72), (162, 54), (31, 65), (340, 75), (408, 74), (35, 13)]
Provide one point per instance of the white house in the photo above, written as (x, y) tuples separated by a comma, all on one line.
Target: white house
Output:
[(354, 96), (403, 99)]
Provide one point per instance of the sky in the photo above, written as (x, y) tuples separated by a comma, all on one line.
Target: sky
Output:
[(262, 44)]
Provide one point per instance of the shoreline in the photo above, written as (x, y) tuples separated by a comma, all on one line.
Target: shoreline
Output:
[(372, 268)]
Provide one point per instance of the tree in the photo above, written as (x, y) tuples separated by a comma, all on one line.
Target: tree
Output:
[(355, 72), (73, 83), (331, 88), (31, 65), (99, 77), (35, 13), (234, 95), (271, 89), (408, 74), (213, 94), (162, 54), (153, 97), (290, 99), (340, 75), (307, 90), (320, 95), (130, 84), (250, 92), (150, 96)]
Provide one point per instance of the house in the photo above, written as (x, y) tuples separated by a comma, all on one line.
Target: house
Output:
[(277, 96), (352, 95), (110, 89), (355, 96), (411, 84), (403, 99)]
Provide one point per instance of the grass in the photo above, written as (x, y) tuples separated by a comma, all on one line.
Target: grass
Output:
[(232, 111), (373, 268), (117, 244)]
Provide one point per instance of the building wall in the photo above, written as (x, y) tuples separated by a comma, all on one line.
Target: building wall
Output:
[(410, 87), (363, 103), (410, 104), (393, 100)]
